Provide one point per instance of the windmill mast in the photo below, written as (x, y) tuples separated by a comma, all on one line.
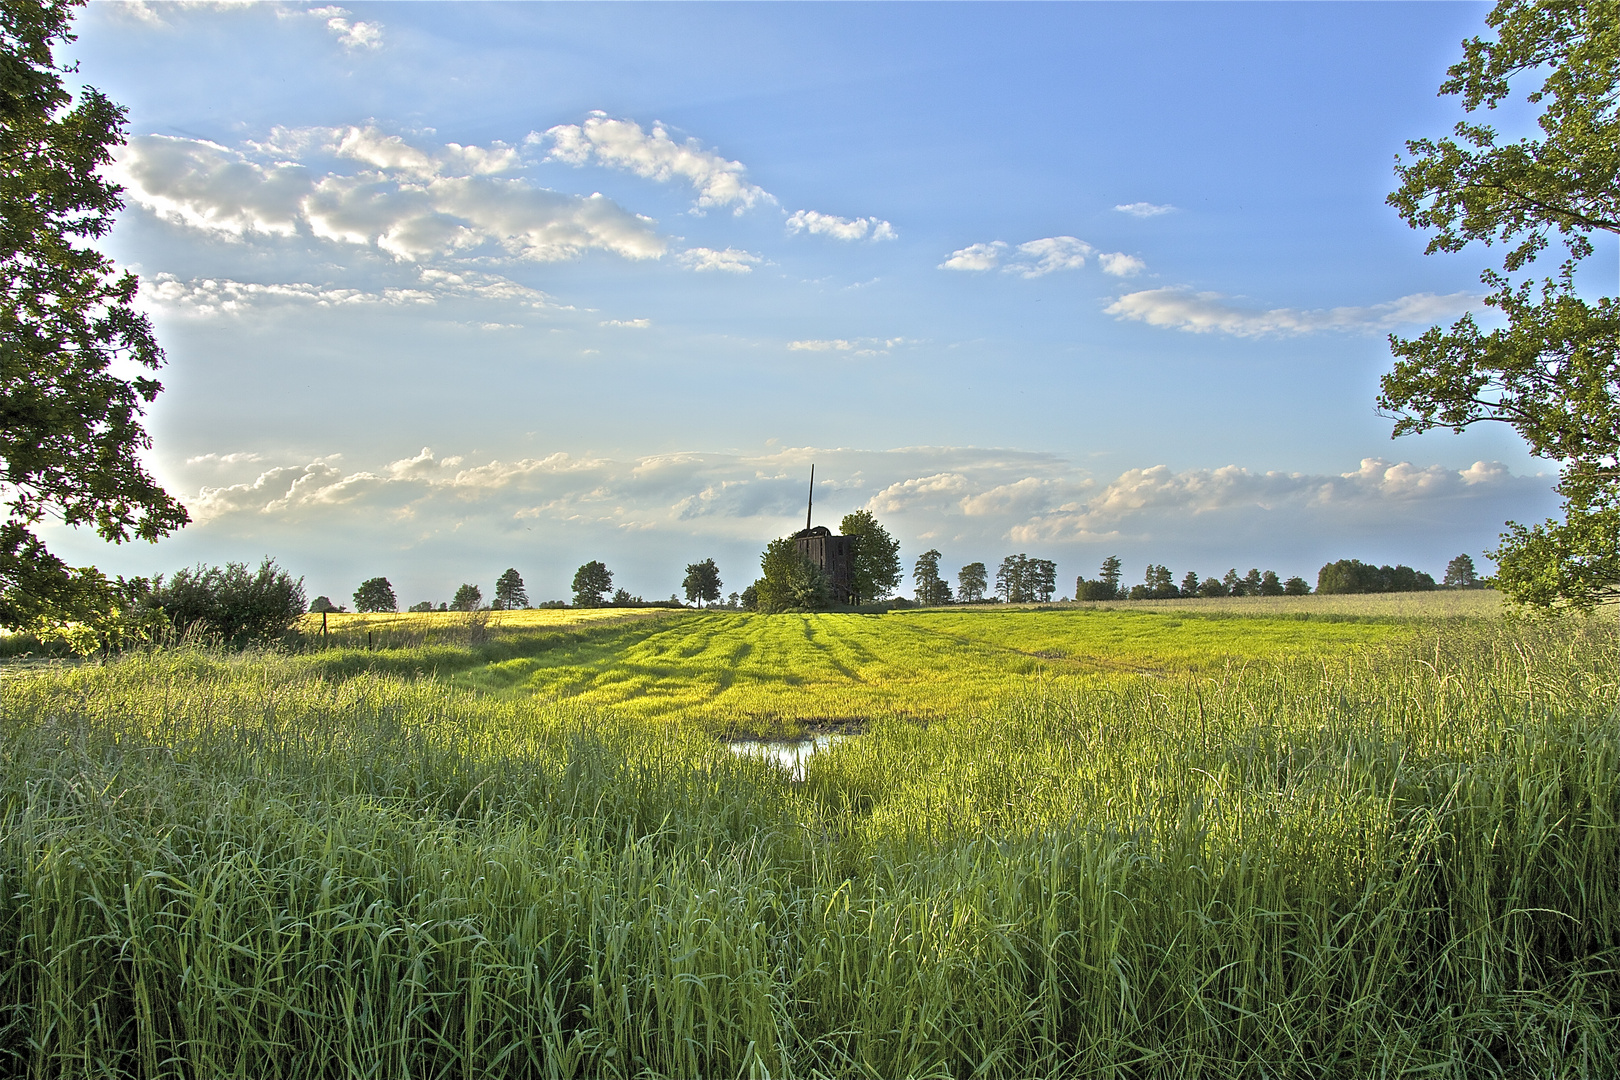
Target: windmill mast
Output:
[(809, 506)]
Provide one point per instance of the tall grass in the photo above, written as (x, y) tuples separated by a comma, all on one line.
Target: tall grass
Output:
[(1404, 864)]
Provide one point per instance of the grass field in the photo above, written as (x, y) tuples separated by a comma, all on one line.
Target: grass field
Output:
[(1179, 844)]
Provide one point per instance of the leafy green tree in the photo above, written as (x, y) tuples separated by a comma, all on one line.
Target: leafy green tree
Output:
[(702, 583), (789, 581), (1109, 576), (1296, 586), (375, 594), (237, 605), (467, 598), (1212, 587), (876, 562), (930, 589), (1189, 584), (509, 590), (749, 599), (424, 605), (1157, 584), (72, 434), (1271, 584), (592, 582), (1251, 582), (1552, 372), (971, 582), (1460, 573), (1355, 576), (1233, 583)]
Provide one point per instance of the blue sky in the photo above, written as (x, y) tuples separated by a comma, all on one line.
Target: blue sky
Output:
[(451, 288)]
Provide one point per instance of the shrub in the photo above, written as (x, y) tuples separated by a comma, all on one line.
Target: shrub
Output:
[(232, 603)]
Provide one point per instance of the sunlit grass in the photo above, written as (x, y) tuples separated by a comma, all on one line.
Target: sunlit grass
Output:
[(1388, 858)]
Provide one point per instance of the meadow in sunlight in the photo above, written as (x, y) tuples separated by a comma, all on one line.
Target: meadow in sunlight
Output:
[(1132, 842)]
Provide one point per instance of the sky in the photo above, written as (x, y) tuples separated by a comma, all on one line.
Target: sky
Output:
[(448, 288)]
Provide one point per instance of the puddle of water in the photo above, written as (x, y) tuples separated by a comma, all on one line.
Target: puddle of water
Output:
[(790, 757)]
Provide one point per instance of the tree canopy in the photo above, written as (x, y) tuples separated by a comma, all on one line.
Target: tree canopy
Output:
[(702, 582), (929, 587), (375, 594), (72, 429), (592, 584), (467, 598), (875, 569), (1552, 371), (509, 590), (232, 603), (971, 582), (789, 581)]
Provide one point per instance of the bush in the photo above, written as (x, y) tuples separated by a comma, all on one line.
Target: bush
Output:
[(238, 606), (791, 582)]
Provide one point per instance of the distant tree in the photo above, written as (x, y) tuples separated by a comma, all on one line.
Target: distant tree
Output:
[(238, 605), (1233, 583), (1157, 584), (790, 581), (876, 561), (971, 582), (731, 600), (1270, 584), (621, 598), (1296, 586), (1460, 573), (930, 589), (702, 582), (425, 605), (1355, 576), (1212, 587), (509, 590), (1251, 582), (467, 598), (375, 594), (1042, 580), (748, 600), (1189, 584), (1010, 579), (443, 606), (1109, 575), (592, 582)]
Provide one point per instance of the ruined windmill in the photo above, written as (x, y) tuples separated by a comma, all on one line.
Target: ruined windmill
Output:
[(833, 555)]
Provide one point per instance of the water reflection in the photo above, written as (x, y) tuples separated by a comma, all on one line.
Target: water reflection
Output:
[(790, 757)]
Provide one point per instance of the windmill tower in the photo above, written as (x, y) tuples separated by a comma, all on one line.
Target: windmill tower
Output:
[(833, 555)]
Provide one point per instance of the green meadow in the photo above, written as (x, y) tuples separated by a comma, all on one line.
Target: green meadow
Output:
[(1137, 841)]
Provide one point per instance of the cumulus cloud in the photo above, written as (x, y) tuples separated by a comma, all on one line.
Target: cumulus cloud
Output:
[(730, 260), (623, 144), (972, 503), (1120, 264), (1209, 312), (1144, 209), (817, 224), (351, 34), (410, 203), (1034, 258)]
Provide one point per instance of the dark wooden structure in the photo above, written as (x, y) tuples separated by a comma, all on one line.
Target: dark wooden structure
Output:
[(833, 555)]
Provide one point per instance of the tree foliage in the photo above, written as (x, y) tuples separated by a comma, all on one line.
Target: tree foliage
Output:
[(928, 587), (1552, 371), (971, 582), (1460, 573), (1355, 576), (592, 583), (236, 605), (702, 582), (789, 581), (467, 598), (876, 562), (1106, 587), (375, 594), (1023, 580), (509, 590), (72, 429)]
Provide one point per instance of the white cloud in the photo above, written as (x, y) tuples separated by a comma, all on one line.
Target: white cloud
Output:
[(731, 260), (1120, 264), (817, 224), (1032, 259), (1208, 312), (622, 144), (1037, 258), (357, 34), (628, 324), (857, 346), (976, 257), (1144, 209), (211, 297), (412, 204)]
